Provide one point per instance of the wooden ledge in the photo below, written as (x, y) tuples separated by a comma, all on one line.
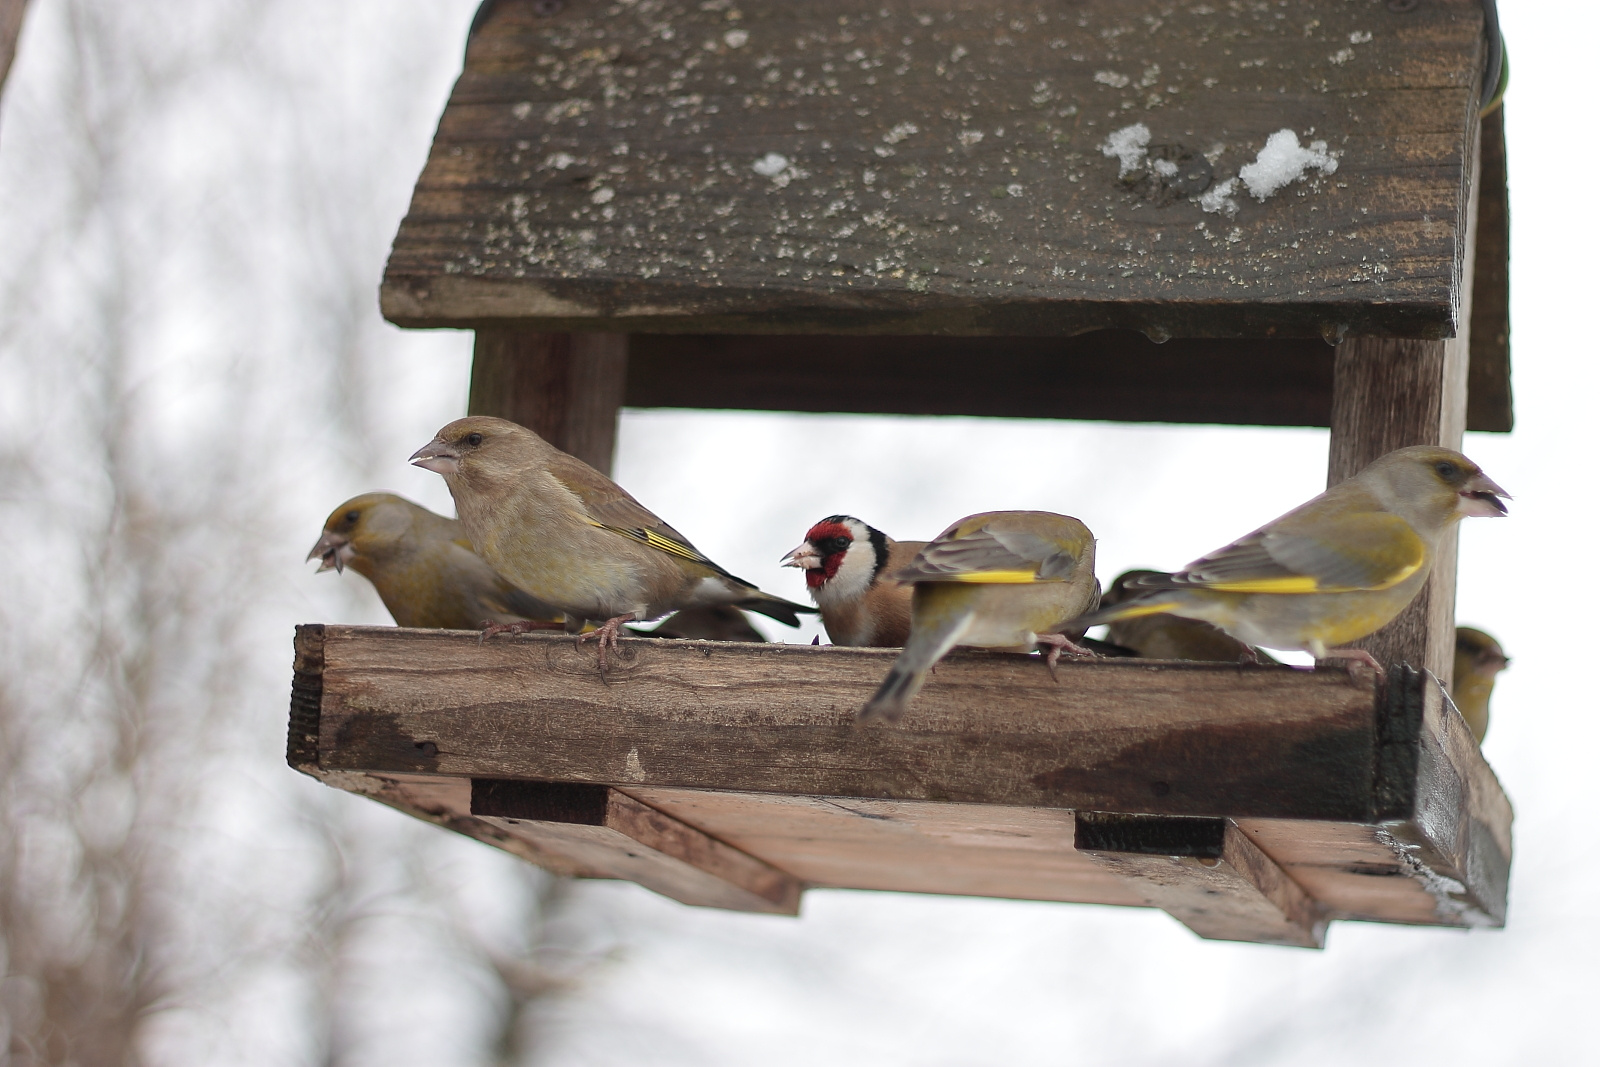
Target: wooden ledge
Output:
[(1339, 798)]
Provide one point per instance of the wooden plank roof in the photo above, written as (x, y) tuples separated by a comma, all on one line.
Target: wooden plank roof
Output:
[(937, 166)]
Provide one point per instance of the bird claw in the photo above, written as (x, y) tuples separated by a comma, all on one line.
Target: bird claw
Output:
[(1059, 643), (604, 636), (1355, 657), (521, 626)]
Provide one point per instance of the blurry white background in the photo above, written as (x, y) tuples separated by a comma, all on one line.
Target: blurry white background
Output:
[(196, 199)]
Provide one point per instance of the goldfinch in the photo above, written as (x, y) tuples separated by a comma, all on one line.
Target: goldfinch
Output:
[(1479, 658), (566, 534), (1334, 569), (1170, 636), (1010, 580), (848, 567), (422, 566)]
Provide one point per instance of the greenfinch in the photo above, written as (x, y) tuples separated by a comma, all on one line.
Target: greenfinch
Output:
[(422, 566), (1479, 658), (717, 623), (1333, 570), (1170, 636), (567, 535), (849, 573), (1011, 580)]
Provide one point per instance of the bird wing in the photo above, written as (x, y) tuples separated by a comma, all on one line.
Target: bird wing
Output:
[(989, 550), (1356, 551), (609, 507)]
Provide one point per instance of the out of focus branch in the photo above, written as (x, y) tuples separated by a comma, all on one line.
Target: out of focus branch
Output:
[(10, 29)]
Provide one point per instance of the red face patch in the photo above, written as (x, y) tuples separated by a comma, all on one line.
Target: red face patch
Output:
[(825, 537)]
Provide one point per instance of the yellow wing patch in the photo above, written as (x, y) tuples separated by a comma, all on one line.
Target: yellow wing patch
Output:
[(989, 577), (1304, 583), (655, 541)]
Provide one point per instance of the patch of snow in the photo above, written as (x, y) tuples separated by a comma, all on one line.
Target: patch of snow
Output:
[(603, 195), (1282, 160), (1360, 37), (1219, 199), (736, 38), (900, 133), (1164, 167), (770, 165), (968, 138), (1128, 145), (1343, 55), (560, 161), (1112, 78)]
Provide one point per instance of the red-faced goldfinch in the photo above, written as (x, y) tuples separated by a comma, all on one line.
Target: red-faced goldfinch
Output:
[(1334, 569), (1479, 658), (566, 534), (1010, 580), (848, 567), (422, 566)]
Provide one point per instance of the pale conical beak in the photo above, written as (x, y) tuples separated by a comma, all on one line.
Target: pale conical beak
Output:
[(438, 457), (805, 557), (334, 550), (1481, 497)]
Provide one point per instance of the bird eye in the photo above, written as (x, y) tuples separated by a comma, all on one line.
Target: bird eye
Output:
[(1446, 469), (474, 439), (351, 516), (837, 544)]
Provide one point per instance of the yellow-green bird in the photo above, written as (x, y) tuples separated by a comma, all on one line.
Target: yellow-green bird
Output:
[(422, 566), (1479, 658), (569, 536), (1010, 580), (1170, 636), (1334, 569)]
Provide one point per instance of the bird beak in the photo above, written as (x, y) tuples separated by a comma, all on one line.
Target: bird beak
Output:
[(334, 550), (805, 557), (1481, 497), (438, 457)]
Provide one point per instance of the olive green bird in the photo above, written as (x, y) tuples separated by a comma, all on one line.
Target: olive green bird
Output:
[(567, 535), (1012, 580), (1171, 636), (422, 566), (1479, 658), (1333, 570)]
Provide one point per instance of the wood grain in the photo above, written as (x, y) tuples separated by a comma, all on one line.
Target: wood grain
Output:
[(938, 169), (1208, 875), (1489, 365), (605, 830), (567, 388), (754, 748), (1116, 375)]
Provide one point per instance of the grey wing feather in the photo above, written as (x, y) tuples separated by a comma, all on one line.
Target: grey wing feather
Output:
[(992, 550)]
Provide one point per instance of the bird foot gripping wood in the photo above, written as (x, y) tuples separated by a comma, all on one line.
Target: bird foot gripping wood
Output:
[(1354, 658), (521, 626), (605, 636), (1059, 643)]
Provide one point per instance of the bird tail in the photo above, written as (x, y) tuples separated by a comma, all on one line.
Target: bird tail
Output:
[(775, 607), (1127, 609), (926, 647)]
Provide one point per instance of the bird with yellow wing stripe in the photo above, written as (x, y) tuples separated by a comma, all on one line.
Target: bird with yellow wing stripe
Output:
[(1334, 569), (1012, 580), (567, 535)]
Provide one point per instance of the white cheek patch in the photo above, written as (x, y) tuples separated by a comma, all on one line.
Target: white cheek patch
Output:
[(851, 580)]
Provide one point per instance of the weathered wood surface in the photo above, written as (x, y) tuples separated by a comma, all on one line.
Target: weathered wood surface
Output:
[(567, 388), (1206, 874), (608, 831), (1115, 375), (1379, 812), (1489, 365), (937, 168)]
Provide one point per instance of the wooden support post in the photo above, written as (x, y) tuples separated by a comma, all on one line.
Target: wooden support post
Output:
[(566, 387), (11, 12), (1389, 393), (1206, 874), (605, 830)]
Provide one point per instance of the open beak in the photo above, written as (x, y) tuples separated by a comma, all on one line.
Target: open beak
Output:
[(438, 457), (1481, 497), (334, 550), (805, 557)]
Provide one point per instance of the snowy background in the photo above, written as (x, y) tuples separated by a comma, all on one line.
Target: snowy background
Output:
[(196, 200)]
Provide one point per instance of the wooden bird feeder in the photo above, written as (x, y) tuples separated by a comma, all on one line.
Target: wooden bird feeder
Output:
[(908, 206)]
